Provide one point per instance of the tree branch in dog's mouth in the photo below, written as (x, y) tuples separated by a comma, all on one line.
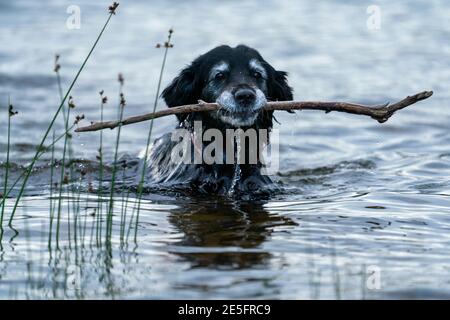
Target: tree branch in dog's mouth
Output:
[(381, 113)]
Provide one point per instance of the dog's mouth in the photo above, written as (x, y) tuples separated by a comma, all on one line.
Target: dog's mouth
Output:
[(238, 118), (240, 113)]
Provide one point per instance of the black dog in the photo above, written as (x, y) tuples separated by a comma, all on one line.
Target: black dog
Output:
[(241, 82)]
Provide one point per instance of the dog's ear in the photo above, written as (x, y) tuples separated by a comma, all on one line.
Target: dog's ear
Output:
[(278, 88), (182, 90)]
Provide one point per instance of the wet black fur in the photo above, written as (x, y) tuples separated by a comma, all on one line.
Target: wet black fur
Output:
[(188, 88)]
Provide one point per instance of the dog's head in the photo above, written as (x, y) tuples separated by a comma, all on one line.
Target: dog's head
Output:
[(238, 79)]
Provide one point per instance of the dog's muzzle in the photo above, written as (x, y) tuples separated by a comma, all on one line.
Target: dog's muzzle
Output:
[(240, 107)]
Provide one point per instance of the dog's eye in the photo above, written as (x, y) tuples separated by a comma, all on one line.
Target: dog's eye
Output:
[(257, 74), (219, 76)]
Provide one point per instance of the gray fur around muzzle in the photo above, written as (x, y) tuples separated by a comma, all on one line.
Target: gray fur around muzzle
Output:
[(240, 106)]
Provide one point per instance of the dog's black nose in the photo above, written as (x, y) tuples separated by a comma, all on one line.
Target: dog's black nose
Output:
[(244, 96)]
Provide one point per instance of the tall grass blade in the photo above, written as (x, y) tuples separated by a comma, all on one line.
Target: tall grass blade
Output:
[(8, 144), (114, 170), (33, 161), (144, 167)]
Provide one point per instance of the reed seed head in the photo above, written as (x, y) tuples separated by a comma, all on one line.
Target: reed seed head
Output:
[(167, 43), (71, 103), (120, 79), (78, 119), (104, 98), (122, 100), (112, 8), (11, 111), (57, 65)]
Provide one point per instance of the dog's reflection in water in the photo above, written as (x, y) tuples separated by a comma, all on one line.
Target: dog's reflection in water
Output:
[(225, 234)]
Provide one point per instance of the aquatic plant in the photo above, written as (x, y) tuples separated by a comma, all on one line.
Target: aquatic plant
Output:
[(10, 114), (52, 164), (56, 68), (140, 189), (112, 11), (122, 104), (41, 153), (63, 175), (103, 101), (125, 198)]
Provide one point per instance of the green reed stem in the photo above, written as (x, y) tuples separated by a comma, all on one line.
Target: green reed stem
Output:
[(43, 150), (30, 168), (124, 207), (100, 176), (58, 81), (5, 187), (61, 182), (85, 220), (51, 193), (114, 170), (71, 190), (76, 214), (68, 215), (147, 148), (76, 198), (93, 224)]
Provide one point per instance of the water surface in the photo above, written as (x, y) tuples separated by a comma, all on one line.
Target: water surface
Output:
[(361, 199)]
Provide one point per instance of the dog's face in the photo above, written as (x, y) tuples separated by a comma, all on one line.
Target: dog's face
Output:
[(238, 79), (239, 86)]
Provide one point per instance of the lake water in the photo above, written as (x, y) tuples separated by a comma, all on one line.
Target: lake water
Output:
[(366, 208)]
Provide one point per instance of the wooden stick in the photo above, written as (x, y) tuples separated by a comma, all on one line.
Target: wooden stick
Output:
[(381, 113)]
